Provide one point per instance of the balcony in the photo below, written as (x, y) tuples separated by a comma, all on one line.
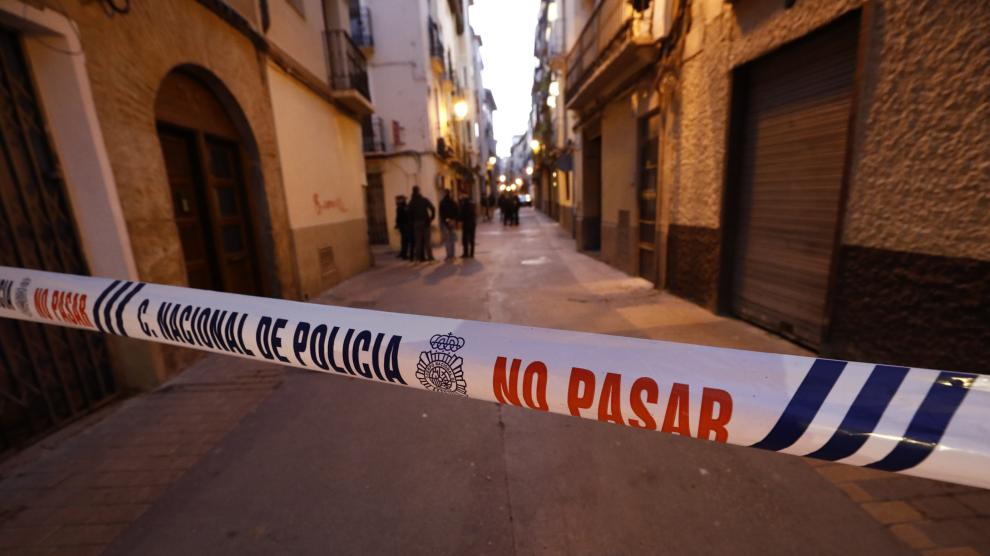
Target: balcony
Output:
[(437, 56), (361, 29), (348, 73), (615, 44), (373, 134)]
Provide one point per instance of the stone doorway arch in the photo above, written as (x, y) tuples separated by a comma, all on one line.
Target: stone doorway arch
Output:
[(218, 196)]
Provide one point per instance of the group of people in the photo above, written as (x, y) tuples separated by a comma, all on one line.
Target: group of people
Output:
[(508, 206), (414, 218)]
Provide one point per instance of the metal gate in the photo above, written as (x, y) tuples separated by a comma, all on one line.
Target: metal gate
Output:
[(48, 374), (796, 106)]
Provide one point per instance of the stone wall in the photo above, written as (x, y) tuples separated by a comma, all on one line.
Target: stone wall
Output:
[(915, 236), (914, 267), (127, 57)]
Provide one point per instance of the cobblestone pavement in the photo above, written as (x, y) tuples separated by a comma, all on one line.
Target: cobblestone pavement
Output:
[(233, 457)]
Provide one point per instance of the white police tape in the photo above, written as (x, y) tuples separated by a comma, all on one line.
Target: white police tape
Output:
[(933, 424)]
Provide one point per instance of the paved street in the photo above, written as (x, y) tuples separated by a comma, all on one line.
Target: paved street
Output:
[(266, 460)]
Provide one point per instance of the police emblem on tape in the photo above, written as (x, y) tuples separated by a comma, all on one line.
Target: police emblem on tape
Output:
[(440, 370), (21, 297)]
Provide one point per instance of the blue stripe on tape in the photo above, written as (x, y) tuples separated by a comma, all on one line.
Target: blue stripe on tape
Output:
[(864, 414), (120, 308), (99, 301), (929, 422), (803, 407), (107, 315)]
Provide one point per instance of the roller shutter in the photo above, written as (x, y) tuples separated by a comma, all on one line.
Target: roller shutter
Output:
[(796, 106)]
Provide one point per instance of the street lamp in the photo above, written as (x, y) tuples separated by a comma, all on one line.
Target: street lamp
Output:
[(460, 109), (535, 145), (502, 178), (519, 181), (529, 170), (492, 160)]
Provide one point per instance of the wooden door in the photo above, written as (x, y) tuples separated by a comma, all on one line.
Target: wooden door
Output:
[(591, 194), (190, 208), (204, 161), (797, 105), (230, 216)]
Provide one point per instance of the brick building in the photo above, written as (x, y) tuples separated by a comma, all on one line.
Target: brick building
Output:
[(204, 143)]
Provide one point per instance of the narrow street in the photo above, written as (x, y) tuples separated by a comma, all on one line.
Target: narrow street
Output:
[(363, 468), (233, 457), (188, 180)]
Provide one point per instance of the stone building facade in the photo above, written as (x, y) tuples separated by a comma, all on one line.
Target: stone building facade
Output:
[(819, 173), (173, 132)]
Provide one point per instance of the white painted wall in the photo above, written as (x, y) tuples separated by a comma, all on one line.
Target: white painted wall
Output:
[(300, 35), (400, 70), (320, 152)]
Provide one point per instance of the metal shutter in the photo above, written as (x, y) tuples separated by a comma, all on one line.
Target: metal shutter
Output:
[(796, 105)]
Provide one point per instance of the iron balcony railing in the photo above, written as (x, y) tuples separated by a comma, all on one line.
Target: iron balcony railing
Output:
[(361, 28), (608, 26), (436, 44), (373, 133), (348, 66)]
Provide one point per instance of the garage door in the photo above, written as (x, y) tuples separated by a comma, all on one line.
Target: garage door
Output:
[(795, 106)]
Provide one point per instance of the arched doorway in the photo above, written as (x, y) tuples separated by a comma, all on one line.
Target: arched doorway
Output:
[(205, 156)]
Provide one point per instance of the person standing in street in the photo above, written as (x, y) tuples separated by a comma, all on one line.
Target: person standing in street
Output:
[(503, 208), (403, 223), (468, 221), (448, 223), (422, 213)]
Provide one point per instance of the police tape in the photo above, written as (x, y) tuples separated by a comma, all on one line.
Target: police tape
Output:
[(933, 424)]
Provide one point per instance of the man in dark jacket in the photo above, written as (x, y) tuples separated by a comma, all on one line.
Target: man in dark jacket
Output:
[(503, 207), (468, 221), (422, 213), (448, 223), (403, 223)]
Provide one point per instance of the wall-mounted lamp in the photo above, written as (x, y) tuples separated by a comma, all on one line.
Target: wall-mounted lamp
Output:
[(460, 109)]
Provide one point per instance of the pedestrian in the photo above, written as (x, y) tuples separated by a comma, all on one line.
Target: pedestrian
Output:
[(422, 213), (403, 223), (491, 205), (448, 223), (503, 208), (468, 221), (514, 205)]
